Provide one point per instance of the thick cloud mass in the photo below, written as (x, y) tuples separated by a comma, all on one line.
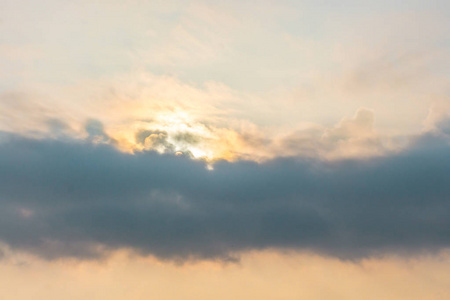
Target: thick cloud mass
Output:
[(76, 199)]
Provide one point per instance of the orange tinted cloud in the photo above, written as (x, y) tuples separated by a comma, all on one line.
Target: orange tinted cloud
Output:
[(260, 275)]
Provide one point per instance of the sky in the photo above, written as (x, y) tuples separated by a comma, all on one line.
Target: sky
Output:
[(228, 149)]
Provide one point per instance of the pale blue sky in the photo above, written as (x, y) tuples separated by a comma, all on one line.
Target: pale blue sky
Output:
[(279, 64)]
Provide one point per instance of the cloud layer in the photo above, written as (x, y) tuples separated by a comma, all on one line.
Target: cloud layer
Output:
[(72, 198)]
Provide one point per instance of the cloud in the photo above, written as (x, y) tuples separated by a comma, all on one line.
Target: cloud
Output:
[(154, 140), (83, 200), (154, 118), (351, 137)]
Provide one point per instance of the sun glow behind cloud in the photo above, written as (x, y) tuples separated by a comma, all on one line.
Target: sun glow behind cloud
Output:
[(243, 86), (153, 118), (326, 124)]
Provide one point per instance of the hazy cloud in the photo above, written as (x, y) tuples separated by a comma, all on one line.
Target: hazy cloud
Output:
[(77, 199)]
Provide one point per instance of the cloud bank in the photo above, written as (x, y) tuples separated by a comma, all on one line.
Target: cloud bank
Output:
[(72, 198)]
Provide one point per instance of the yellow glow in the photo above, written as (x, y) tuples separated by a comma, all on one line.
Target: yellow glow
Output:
[(261, 275), (202, 126)]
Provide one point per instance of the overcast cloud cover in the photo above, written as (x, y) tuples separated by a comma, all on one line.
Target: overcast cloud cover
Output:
[(326, 124), (72, 198)]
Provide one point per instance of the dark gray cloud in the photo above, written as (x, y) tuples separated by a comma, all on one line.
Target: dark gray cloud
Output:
[(75, 199)]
